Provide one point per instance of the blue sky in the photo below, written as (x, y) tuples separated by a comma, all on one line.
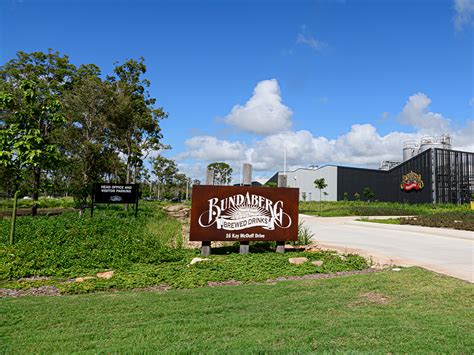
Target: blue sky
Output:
[(337, 81)]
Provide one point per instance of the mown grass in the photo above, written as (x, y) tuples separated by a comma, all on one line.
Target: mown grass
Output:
[(410, 311), (362, 208)]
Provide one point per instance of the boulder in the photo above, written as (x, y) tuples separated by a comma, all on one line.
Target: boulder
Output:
[(198, 260), (297, 261), (105, 275), (85, 278), (317, 263)]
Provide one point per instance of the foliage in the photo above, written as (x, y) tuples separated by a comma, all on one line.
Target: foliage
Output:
[(31, 111), (304, 234), (357, 196), (270, 184), (320, 184), (346, 196), (369, 194), (463, 220), (382, 221), (66, 245), (410, 311), (355, 208), (222, 173)]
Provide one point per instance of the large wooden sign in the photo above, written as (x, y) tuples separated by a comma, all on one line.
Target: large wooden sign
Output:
[(244, 213), (115, 193)]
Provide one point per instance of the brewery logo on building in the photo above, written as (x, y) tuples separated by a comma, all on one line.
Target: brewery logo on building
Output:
[(243, 211), (412, 181)]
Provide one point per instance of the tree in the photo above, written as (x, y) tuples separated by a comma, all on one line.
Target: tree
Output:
[(87, 106), (165, 171), (320, 184), (369, 194), (135, 121), (222, 173), (346, 196), (31, 112), (357, 196), (270, 184)]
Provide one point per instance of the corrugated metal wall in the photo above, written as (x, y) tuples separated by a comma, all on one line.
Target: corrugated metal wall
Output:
[(454, 175), (386, 184)]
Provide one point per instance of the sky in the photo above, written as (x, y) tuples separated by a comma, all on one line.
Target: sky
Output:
[(328, 81)]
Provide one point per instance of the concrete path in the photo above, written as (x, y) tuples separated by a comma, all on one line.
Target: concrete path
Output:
[(446, 251)]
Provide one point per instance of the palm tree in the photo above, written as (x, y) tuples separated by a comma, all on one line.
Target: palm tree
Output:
[(320, 184)]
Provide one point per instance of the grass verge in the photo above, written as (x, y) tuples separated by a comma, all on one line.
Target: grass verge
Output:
[(410, 311), (361, 208)]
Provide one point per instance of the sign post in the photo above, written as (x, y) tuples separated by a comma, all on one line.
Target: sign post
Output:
[(115, 193)]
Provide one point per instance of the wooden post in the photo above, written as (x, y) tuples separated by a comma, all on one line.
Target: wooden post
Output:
[(282, 181), (13, 221), (206, 245)]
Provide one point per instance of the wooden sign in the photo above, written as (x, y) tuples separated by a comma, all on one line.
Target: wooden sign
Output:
[(244, 213)]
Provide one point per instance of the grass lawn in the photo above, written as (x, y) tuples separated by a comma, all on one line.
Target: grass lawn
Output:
[(408, 311)]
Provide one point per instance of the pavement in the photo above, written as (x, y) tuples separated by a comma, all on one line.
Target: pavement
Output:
[(442, 250)]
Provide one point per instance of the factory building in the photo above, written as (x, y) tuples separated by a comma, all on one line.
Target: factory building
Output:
[(431, 172)]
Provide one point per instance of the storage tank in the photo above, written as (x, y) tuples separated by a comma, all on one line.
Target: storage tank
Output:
[(441, 142), (410, 149)]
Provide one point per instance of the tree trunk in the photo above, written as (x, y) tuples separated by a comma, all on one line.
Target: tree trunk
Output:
[(36, 184)]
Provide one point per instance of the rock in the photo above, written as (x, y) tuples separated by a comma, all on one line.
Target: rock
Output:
[(85, 278), (297, 261), (317, 262), (105, 275), (198, 260), (396, 269), (175, 208)]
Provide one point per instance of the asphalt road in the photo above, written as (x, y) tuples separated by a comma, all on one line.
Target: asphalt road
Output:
[(446, 251)]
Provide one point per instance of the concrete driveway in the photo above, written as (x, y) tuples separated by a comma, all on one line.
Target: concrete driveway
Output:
[(446, 251)]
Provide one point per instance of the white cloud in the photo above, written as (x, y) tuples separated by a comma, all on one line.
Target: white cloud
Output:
[(416, 114), (263, 113), (464, 9), (310, 41), (363, 145), (210, 148)]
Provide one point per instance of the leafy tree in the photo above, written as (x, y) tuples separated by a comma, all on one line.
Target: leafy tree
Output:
[(270, 184), (222, 173), (165, 171), (357, 196), (346, 196), (320, 184), (369, 194), (88, 139), (135, 120), (31, 112)]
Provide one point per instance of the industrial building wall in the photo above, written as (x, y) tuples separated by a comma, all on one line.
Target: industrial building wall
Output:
[(454, 175), (386, 184), (305, 182)]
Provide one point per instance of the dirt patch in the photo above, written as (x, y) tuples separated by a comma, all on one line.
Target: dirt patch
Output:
[(33, 291), (34, 278), (370, 297), (224, 283)]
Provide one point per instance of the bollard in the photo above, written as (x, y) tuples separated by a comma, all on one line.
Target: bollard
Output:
[(13, 221)]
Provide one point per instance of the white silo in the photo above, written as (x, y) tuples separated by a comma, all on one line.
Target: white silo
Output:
[(410, 149)]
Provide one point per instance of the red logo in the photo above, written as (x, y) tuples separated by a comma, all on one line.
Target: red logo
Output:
[(412, 181)]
